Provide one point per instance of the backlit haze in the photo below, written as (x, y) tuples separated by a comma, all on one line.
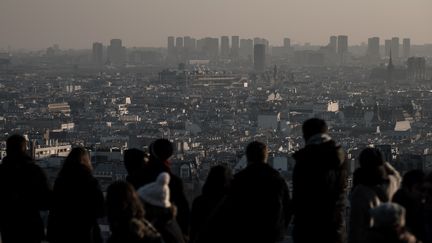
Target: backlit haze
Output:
[(36, 24)]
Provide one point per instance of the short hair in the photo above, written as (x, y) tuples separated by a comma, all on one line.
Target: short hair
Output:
[(371, 157), (161, 149), (412, 178), (15, 144), (313, 126), (256, 152), (133, 159)]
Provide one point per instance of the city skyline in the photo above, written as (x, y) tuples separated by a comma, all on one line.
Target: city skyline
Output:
[(38, 24)]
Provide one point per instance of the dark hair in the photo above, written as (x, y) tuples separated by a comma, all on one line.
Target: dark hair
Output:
[(73, 162), (412, 178), (371, 157), (372, 170), (218, 180), (313, 126), (256, 152), (133, 160), (161, 149), (15, 144), (123, 204)]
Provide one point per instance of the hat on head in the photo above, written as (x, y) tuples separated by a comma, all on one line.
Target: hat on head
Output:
[(387, 215), (157, 193)]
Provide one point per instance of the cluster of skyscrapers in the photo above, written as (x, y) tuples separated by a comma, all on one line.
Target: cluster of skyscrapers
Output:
[(257, 51), (116, 52)]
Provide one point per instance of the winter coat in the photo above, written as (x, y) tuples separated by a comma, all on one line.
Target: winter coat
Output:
[(136, 231), (389, 235), (414, 212), (366, 197), (78, 203), (177, 195), (257, 208), (202, 208), (164, 220), (319, 192), (24, 191)]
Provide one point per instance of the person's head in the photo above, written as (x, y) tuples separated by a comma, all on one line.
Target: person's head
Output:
[(123, 204), (388, 215), (256, 152), (372, 167), (134, 160), (157, 193), (218, 180), (313, 127), (16, 145), (371, 157), (77, 158), (413, 181), (161, 149)]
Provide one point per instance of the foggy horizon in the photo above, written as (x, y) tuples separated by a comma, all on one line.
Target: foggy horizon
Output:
[(76, 24)]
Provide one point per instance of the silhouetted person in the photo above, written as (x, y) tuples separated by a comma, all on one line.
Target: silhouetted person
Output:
[(159, 209), (161, 151), (427, 215), (257, 207), (410, 196), (24, 191), (377, 183), (389, 225), (214, 190), (319, 187), (78, 202), (134, 161), (126, 216)]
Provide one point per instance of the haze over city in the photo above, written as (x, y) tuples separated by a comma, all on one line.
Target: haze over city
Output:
[(74, 24)]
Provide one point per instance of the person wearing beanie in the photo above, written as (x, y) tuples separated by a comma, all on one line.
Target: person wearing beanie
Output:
[(160, 152), (388, 225), (160, 212)]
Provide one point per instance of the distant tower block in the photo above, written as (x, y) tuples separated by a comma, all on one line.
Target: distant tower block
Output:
[(406, 47), (259, 58), (97, 53), (342, 47), (225, 48)]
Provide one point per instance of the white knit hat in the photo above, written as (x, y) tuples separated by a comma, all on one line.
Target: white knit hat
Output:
[(157, 193)]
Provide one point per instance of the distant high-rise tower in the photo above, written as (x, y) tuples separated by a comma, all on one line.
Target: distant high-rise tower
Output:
[(235, 46), (97, 53), (333, 43), (171, 49), (373, 48), (189, 45), (116, 52), (179, 43), (225, 48), (259, 57), (342, 47), (287, 43), (387, 47), (395, 47), (390, 68), (246, 49), (406, 47), (171, 43)]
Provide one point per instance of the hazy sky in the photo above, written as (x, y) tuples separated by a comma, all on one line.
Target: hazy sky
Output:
[(77, 23)]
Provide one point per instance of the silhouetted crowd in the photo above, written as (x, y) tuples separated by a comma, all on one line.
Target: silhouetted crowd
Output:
[(254, 205)]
